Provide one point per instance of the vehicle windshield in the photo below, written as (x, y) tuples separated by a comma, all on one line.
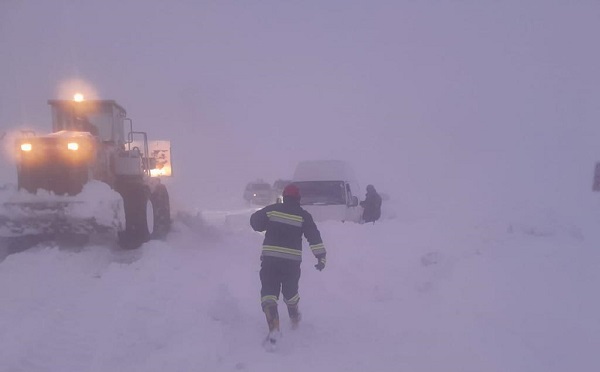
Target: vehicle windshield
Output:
[(322, 192), (259, 186), (95, 121)]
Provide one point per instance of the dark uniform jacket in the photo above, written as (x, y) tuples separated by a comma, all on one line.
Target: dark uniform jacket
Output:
[(372, 206), (285, 223)]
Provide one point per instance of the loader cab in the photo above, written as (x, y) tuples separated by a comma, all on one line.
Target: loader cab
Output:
[(102, 118)]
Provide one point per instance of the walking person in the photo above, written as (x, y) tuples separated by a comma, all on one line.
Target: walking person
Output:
[(285, 224)]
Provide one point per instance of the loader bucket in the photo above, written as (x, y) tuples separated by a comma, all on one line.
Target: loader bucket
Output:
[(47, 218), (29, 214)]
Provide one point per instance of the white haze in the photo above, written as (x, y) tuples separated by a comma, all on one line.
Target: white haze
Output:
[(472, 102), (478, 118)]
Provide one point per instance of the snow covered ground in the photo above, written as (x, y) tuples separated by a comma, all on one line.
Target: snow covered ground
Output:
[(511, 291)]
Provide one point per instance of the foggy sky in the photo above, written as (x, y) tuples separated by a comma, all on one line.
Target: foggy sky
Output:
[(444, 99)]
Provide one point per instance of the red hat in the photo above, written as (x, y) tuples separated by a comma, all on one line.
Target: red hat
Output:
[(291, 190)]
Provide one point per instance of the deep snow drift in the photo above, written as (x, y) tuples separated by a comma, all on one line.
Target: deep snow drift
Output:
[(420, 292)]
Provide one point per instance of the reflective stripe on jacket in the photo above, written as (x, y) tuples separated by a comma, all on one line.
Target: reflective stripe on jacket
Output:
[(285, 223)]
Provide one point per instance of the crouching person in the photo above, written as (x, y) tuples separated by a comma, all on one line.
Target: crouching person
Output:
[(371, 205)]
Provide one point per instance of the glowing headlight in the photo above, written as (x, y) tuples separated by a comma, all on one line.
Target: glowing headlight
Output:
[(165, 171), (157, 172), (73, 146), (26, 147)]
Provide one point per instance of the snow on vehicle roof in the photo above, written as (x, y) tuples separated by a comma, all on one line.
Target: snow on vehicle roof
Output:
[(323, 170)]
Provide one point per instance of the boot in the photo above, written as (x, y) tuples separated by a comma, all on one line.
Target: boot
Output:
[(295, 315), (272, 316)]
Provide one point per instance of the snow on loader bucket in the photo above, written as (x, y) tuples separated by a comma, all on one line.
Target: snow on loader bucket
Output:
[(97, 209)]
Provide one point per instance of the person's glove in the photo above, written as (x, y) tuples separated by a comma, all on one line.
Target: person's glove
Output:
[(320, 263)]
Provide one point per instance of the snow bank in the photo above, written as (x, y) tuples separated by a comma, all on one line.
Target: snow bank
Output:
[(418, 292)]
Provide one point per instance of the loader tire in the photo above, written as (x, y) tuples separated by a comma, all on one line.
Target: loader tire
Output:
[(162, 212), (139, 216)]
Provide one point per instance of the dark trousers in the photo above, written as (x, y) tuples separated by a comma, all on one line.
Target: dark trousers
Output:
[(279, 275)]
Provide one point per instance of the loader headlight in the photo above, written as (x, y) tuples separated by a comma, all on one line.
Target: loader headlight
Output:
[(26, 147), (73, 146)]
